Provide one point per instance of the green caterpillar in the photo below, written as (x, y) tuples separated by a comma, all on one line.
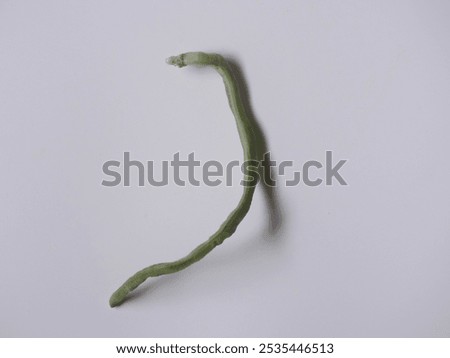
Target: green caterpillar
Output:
[(247, 137)]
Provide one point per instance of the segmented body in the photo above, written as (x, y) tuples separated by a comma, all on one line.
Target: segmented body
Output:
[(229, 226)]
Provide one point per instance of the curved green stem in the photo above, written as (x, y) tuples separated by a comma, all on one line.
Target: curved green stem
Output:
[(250, 158)]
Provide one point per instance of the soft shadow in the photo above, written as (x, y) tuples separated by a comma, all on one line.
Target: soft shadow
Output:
[(266, 172)]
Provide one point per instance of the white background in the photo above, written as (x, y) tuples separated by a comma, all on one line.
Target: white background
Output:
[(81, 82)]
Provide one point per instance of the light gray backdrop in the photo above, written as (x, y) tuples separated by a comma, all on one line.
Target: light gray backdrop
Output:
[(83, 81)]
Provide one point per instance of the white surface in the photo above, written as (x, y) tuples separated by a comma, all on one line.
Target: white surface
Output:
[(82, 82)]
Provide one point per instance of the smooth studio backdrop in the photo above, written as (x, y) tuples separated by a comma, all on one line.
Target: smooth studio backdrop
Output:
[(82, 82)]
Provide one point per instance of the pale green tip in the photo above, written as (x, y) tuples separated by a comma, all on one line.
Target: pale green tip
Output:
[(176, 61), (113, 302), (118, 297)]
